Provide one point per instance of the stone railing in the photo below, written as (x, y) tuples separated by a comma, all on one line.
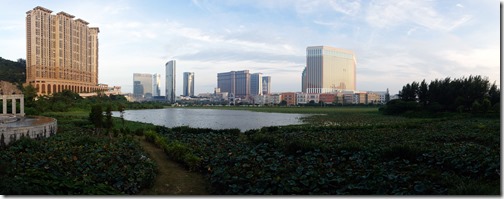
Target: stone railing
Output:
[(41, 128)]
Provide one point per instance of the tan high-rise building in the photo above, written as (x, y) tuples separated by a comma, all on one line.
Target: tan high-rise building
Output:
[(61, 53), (329, 69)]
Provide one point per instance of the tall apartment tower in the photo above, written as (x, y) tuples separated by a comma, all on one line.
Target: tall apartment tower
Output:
[(236, 83), (329, 69), (142, 85), (188, 84), (61, 53), (170, 81), (156, 85), (256, 84), (266, 85)]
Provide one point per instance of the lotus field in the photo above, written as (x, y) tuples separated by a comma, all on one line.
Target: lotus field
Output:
[(349, 151), (339, 151)]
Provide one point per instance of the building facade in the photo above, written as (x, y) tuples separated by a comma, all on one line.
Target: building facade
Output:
[(329, 69), (327, 98), (266, 85), (156, 85), (301, 98), (256, 84), (303, 81), (188, 84), (236, 83), (226, 82), (142, 85), (290, 98), (170, 81), (61, 53)]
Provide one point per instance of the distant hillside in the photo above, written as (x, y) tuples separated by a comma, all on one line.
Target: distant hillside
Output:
[(13, 71)]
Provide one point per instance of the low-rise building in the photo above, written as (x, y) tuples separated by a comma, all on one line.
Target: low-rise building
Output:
[(312, 97), (290, 98), (327, 98), (301, 98), (374, 98), (359, 97), (273, 98)]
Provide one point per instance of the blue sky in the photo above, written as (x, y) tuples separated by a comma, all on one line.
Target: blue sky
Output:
[(395, 42)]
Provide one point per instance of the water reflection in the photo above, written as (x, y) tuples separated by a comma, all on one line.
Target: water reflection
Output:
[(211, 118)]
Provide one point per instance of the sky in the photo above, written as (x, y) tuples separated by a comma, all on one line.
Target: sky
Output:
[(395, 42)]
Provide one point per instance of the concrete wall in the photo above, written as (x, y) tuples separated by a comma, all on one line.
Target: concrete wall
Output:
[(38, 130)]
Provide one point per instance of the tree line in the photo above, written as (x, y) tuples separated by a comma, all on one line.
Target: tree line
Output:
[(68, 100), (13, 71), (467, 94)]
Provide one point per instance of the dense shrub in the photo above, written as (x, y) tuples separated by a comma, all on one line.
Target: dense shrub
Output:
[(75, 163), (174, 149), (395, 107)]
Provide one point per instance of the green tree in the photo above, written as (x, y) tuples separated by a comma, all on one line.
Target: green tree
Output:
[(494, 94), (121, 109), (409, 92), (109, 123), (283, 103), (476, 107), (387, 96), (463, 94), (422, 93), (486, 105), (96, 117), (30, 94), (12, 71)]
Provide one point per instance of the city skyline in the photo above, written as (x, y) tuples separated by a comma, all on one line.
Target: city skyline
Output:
[(394, 42)]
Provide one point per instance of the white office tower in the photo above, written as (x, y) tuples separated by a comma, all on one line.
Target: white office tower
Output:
[(156, 83), (256, 85), (170, 81), (329, 69), (188, 84)]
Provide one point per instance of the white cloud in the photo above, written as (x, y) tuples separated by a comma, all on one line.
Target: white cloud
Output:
[(474, 58), (411, 30), (348, 7), (115, 9), (387, 14)]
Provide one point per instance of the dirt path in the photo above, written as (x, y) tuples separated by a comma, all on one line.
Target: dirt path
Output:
[(172, 178)]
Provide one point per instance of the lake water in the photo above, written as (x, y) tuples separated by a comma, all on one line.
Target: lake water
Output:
[(211, 118)]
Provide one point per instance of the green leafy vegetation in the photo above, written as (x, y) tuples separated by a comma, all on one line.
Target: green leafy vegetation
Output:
[(67, 100), (73, 162), (362, 153), (78, 159)]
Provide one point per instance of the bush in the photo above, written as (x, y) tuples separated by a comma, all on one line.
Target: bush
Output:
[(395, 107), (176, 150), (139, 132), (476, 107), (192, 161)]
